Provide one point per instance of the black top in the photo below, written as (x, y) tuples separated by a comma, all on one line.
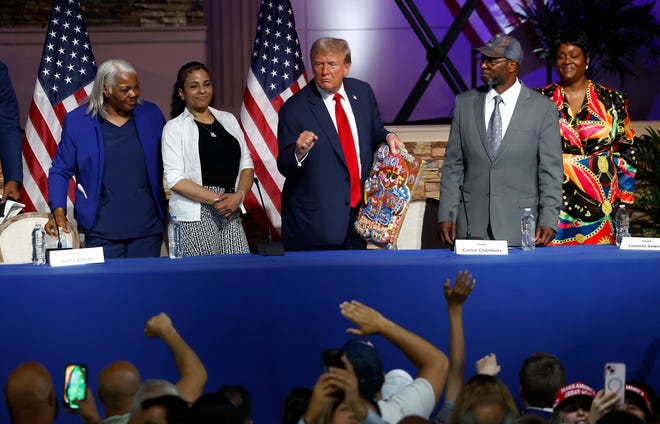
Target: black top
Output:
[(220, 156)]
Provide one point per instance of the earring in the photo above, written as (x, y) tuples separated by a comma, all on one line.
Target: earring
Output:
[(587, 67)]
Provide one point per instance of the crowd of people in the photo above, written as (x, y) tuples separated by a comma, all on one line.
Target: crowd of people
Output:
[(566, 151), (354, 387)]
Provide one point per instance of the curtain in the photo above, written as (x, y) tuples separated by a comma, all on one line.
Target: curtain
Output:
[(231, 26)]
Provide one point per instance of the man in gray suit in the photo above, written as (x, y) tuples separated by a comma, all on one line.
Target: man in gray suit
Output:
[(503, 155)]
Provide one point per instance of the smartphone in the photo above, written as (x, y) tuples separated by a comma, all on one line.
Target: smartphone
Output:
[(332, 358), (615, 379), (75, 384)]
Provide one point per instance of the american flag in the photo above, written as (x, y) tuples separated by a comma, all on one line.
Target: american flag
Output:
[(489, 18), (65, 78), (276, 73)]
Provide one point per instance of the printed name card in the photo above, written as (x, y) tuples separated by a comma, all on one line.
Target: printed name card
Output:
[(481, 247), (90, 255), (640, 243)]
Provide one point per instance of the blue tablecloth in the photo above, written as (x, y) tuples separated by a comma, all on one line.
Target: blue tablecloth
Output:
[(263, 321)]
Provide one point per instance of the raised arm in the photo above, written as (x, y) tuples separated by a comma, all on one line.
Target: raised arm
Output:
[(455, 297), (430, 362), (193, 373)]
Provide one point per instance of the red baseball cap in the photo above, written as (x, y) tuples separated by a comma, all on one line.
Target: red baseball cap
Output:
[(572, 390), (642, 397)]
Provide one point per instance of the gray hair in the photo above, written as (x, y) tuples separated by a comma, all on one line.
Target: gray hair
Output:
[(106, 76), (329, 44), (151, 389)]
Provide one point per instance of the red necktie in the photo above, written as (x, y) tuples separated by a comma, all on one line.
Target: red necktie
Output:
[(348, 145)]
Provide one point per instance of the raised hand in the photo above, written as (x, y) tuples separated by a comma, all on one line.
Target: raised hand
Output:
[(368, 320)]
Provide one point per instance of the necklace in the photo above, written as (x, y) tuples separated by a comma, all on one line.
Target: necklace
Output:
[(210, 130)]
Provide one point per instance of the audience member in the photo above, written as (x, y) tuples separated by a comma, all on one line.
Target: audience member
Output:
[(414, 419), (166, 409), (489, 411), (338, 392), (503, 155), (240, 398), (216, 408), (117, 385), (112, 148), (417, 398), (638, 400), (10, 138), (119, 382), (295, 404), (455, 297), (541, 375), (577, 402), (30, 396), (529, 419), (342, 413), (207, 166), (598, 145), (142, 412), (395, 380), (484, 394), (327, 135), (617, 416)]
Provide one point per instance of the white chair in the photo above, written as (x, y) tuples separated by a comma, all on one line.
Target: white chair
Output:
[(410, 234), (16, 237)]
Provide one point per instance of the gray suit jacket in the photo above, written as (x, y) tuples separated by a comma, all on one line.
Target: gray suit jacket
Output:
[(527, 170)]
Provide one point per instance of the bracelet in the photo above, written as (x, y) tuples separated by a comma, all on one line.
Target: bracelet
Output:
[(242, 194)]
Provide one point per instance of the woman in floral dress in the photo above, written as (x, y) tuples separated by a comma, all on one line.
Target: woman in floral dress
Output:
[(598, 145)]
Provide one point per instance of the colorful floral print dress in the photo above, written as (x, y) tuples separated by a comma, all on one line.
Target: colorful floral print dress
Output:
[(598, 147)]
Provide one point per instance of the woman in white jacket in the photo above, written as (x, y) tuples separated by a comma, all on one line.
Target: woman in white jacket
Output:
[(207, 166)]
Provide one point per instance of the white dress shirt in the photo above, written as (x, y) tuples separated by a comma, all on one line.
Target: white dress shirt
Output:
[(509, 99)]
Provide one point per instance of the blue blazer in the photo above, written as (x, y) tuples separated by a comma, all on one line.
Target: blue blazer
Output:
[(10, 130), (316, 195), (81, 154)]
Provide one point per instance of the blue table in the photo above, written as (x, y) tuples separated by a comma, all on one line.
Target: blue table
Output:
[(263, 321)]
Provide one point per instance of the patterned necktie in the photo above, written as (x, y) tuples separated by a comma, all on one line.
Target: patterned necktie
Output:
[(494, 133), (348, 146)]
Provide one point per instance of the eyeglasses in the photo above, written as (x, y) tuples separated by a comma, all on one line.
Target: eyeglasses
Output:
[(492, 61)]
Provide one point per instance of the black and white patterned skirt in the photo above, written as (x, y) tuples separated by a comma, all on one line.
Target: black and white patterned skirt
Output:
[(213, 234)]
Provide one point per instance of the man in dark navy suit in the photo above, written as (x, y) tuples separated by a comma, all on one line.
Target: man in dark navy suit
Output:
[(327, 136), (10, 138), (541, 376)]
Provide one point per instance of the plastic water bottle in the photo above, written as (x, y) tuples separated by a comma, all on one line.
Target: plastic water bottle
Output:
[(174, 238), (38, 245), (622, 224), (62, 239), (527, 230)]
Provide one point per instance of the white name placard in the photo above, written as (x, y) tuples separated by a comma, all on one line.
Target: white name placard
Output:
[(640, 243), (90, 255), (481, 247)]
